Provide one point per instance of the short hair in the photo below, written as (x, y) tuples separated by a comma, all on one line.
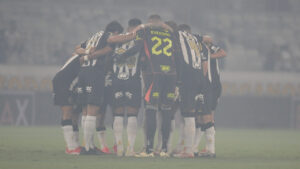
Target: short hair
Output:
[(134, 22), (172, 24), (114, 26), (184, 27), (154, 17)]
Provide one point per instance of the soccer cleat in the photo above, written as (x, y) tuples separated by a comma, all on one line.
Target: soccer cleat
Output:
[(94, 151), (144, 154), (106, 150), (119, 153), (184, 155), (130, 154), (75, 151), (164, 154), (157, 152), (206, 154)]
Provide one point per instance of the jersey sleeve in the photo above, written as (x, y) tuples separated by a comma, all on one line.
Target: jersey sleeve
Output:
[(199, 37), (177, 56), (214, 48), (140, 34), (103, 41), (204, 53), (83, 45), (136, 48)]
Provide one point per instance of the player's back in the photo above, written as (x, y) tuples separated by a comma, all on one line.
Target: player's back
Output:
[(192, 54), (159, 50)]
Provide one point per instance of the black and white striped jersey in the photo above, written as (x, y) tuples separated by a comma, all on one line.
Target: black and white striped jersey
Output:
[(214, 65), (97, 41), (125, 67), (193, 53)]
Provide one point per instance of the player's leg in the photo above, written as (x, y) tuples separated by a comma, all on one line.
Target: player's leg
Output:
[(132, 113), (94, 90), (75, 120), (188, 108), (208, 124), (62, 98), (167, 109), (199, 134), (180, 144), (159, 134), (118, 129), (150, 104), (133, 103), (100, 128)]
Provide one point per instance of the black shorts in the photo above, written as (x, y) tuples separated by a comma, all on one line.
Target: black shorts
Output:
[(107, 99), (216, 90), (64, 81), (207, 104), (126, 93), (90, 86), (194, 95), (159, 89)]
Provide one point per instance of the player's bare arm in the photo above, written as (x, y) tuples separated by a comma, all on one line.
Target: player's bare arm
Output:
[(207, 39), (94, 54), (205, 68), (219, 54)]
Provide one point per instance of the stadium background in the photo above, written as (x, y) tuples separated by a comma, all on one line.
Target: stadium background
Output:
[(260, 75)]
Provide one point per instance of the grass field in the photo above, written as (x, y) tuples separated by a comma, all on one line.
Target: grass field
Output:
[(43, 148)]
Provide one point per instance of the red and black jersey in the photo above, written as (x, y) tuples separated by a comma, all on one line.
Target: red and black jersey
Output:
[(158, 50)]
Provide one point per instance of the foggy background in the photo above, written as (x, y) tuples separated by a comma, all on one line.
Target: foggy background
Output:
[(260, 75)]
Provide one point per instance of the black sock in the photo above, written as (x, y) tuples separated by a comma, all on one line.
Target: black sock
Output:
[(166, 128), (150, 128)]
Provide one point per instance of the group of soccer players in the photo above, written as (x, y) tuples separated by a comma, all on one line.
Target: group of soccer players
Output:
[(160, 64)]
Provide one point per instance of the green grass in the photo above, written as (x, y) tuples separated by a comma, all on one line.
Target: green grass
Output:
[(43, 148)]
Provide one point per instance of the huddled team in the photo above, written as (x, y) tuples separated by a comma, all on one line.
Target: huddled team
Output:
[(160, 64)]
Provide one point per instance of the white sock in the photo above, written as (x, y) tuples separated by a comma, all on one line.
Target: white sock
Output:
[(189, 130), (102, 138), (131, 132), (82, 121), (198, 136), (82, 126), (68, 136), (210, 139), (88, 132), (180, 144), (76, 138), (118, 131)]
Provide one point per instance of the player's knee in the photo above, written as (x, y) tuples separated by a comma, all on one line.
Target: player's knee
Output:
[(206, 126), (188, 113), (131, 111), (67, 122), (100, 128)]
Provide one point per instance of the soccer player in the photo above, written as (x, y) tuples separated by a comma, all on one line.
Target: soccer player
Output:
[(100, 126), (159, 75), (126, 95), (205, 121), (92, 80), (193, 61), (63, 84)]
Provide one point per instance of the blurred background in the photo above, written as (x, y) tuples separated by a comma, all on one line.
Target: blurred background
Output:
[(260, 75)]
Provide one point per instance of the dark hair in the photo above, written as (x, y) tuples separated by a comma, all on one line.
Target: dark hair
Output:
[(134, 22), (114, 26), (172, 24), (184, 27), (155, 17)]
